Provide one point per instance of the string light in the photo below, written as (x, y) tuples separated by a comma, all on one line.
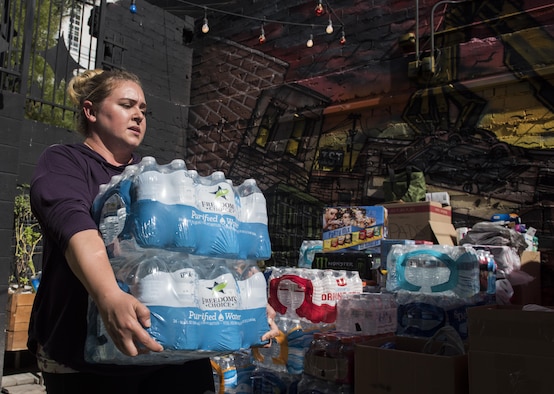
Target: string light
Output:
[(133, 7), (262, 38), (205, 27), (329, 28), (310, 42), (342, 38), (319, 10)]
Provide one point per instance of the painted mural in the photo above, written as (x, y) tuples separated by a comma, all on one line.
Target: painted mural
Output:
[(472, 106)]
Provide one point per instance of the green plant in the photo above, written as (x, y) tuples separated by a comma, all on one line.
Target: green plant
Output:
[(27, 238)]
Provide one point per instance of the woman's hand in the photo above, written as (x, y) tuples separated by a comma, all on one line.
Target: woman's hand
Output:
[(273, 329), (126, 320)]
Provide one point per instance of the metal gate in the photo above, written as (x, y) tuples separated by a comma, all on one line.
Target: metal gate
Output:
[(43, 43)]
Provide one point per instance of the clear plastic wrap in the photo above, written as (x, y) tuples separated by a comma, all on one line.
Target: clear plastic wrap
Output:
[(311, 295), (433, 269), (187, 247), (170, 207), (199, 307)]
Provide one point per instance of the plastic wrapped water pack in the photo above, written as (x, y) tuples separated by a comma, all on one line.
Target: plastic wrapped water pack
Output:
[(199, 306), (310, 294), (433, 269), (170, 207)]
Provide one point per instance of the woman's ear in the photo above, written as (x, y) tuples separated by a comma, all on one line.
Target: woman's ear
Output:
[(88, 111)]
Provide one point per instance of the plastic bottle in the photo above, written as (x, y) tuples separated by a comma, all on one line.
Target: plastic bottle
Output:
[(152, 285), (345, 361), (296, 347), (215, 217), (266, 381), (229, 370), (150, 206), (185, 280), (151, 282), (245, 368), (275, 357), (219, 296), (219, 380), (111, 207), (253, 235), (183, 201)]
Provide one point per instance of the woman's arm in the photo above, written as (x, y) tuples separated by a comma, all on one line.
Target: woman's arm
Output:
[(124, 316)]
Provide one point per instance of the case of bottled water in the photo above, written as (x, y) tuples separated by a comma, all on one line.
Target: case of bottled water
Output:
[(187, 247), (311, 295), (433, 269), (170, 207)]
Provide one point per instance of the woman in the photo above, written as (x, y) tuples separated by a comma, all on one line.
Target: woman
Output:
[(112, 119)]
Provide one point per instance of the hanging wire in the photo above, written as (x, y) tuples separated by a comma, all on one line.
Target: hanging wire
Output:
[(331, 11)]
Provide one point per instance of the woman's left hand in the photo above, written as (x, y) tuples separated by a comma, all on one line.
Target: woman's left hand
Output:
[(273, 329)]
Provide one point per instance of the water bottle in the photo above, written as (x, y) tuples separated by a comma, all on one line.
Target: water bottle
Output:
[(185, 280), (253, 232), (151, 280), (217, 371), (111, 207), (275, 357), (149, 207), (229, 370), (215, 217), (152, 285), (182, 203), (220, 307), (245, 368), (296, 341), (266, 381)]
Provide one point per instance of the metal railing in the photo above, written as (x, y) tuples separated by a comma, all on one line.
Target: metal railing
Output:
[(43, 43)]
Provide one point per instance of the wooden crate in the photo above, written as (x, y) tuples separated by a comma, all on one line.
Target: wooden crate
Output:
[(18, 313)]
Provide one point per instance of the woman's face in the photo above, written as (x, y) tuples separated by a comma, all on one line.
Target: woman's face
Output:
[(120, 120)]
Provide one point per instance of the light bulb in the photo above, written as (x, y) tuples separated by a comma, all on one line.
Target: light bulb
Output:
[(319, 10), (329, 28), (133, 7), (205, 27), (310, 42), (261, 38), (342, 39)]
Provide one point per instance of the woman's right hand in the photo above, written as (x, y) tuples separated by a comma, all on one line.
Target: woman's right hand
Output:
[(126, 320)]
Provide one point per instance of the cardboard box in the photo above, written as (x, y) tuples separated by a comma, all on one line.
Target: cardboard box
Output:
[(529, 293), (491, 372), (426, 220), (511, 329), (406, 369), (510, 350), (359, 228)]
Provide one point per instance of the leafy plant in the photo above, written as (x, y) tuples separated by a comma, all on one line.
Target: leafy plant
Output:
[(27, 238)]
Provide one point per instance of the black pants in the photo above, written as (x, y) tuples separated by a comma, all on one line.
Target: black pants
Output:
[(193, 377)]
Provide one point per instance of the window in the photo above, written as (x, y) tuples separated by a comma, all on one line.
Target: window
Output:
[(267, 125), (298, 127), (75, 28)]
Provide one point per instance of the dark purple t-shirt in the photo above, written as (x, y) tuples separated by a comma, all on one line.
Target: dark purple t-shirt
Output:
[(63, 188)]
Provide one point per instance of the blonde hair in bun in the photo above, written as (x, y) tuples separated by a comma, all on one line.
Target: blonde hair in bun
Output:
[(94, 86)]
